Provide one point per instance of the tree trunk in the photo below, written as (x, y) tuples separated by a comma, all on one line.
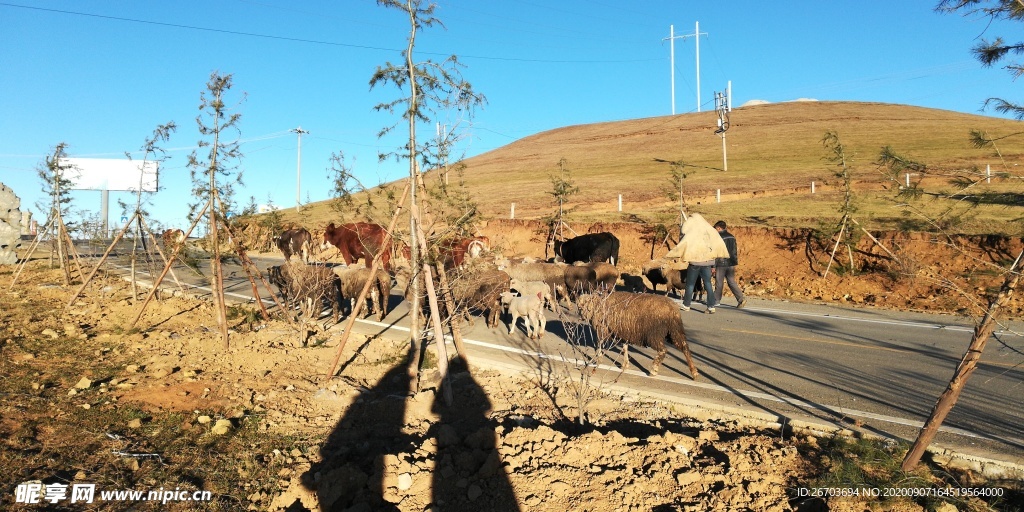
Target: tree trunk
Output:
[(968, 363)]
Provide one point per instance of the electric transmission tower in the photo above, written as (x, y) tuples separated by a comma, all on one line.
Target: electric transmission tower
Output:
[(672, 59)]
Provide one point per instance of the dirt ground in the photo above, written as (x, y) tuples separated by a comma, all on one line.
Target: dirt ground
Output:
[(276, 435)]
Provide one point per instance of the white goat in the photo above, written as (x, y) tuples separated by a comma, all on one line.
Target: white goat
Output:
[(529, 307), (529, 288)]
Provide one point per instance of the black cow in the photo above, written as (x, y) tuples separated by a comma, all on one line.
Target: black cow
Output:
[(589, 248)]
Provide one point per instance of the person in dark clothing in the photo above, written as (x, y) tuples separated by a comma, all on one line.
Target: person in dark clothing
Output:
[(725, 268)]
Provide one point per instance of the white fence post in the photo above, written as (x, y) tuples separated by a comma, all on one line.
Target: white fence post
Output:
[(620, 202), (812, 187), (718, 195), (988, 173), (512, 214)]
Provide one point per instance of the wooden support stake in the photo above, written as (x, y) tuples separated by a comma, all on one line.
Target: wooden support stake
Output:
[(103, 258), (167, 268), (374, 266)]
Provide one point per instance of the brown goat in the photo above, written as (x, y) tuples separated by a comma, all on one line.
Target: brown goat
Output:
[(640, 319)]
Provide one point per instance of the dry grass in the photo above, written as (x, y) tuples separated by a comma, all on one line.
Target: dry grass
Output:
[(774, 150)]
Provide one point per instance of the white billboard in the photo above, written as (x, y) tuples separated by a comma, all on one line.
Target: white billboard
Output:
[(110, 174)]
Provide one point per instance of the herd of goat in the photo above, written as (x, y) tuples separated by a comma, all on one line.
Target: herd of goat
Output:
[(583, 273)]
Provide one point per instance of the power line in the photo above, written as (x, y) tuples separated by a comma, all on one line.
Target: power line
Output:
[(312, 41)]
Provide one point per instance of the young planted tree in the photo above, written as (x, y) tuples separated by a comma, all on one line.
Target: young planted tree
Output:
[(842, 232), (562, 188), (678, 171), (151, 152), (586, 353), (988, 53), (57, 187), (427, 87), (213, 177)]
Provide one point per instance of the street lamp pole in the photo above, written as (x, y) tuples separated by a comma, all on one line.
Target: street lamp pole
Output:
[(298, 171)]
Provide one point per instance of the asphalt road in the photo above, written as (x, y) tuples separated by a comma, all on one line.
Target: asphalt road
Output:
[(872, 370)]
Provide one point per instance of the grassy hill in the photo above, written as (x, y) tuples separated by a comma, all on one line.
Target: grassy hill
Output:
[(774, 153)]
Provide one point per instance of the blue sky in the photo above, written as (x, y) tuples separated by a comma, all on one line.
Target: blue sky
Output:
[(100, 75)]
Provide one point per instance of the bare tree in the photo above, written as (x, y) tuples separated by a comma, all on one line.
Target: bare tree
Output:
[(151, 151), (579, 369), (678, 171)]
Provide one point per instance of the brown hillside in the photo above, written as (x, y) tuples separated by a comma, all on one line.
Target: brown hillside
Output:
[(774, 147), (774, 151)]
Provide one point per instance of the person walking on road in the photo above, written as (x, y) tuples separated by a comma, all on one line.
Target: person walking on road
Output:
[(699, 247), (725, 268)]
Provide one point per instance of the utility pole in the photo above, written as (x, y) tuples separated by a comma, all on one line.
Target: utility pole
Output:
[(442, 147), (298, 172), (672, 60), (723, 105)]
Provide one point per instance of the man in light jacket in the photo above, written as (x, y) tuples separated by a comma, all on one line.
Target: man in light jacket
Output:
[(698, 249)]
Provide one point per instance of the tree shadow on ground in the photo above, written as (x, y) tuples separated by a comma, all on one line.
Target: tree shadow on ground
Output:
[(349, 470), (370, 461), (469, 474)]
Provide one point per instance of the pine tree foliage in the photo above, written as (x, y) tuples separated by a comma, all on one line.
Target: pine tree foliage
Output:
[(215, 173)]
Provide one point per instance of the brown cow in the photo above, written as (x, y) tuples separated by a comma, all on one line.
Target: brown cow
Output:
[(294, 241), (359, 240), (455, 252)]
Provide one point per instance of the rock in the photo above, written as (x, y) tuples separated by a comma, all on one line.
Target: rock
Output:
[(338, 487), (708, 435), (11, 227), (404, 481), (482, 439), (474, 492), (325, 395), (84, 383), (559, 488), (685, 478), (135, 423), (52, 334), (447, 436), (221, 427)]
